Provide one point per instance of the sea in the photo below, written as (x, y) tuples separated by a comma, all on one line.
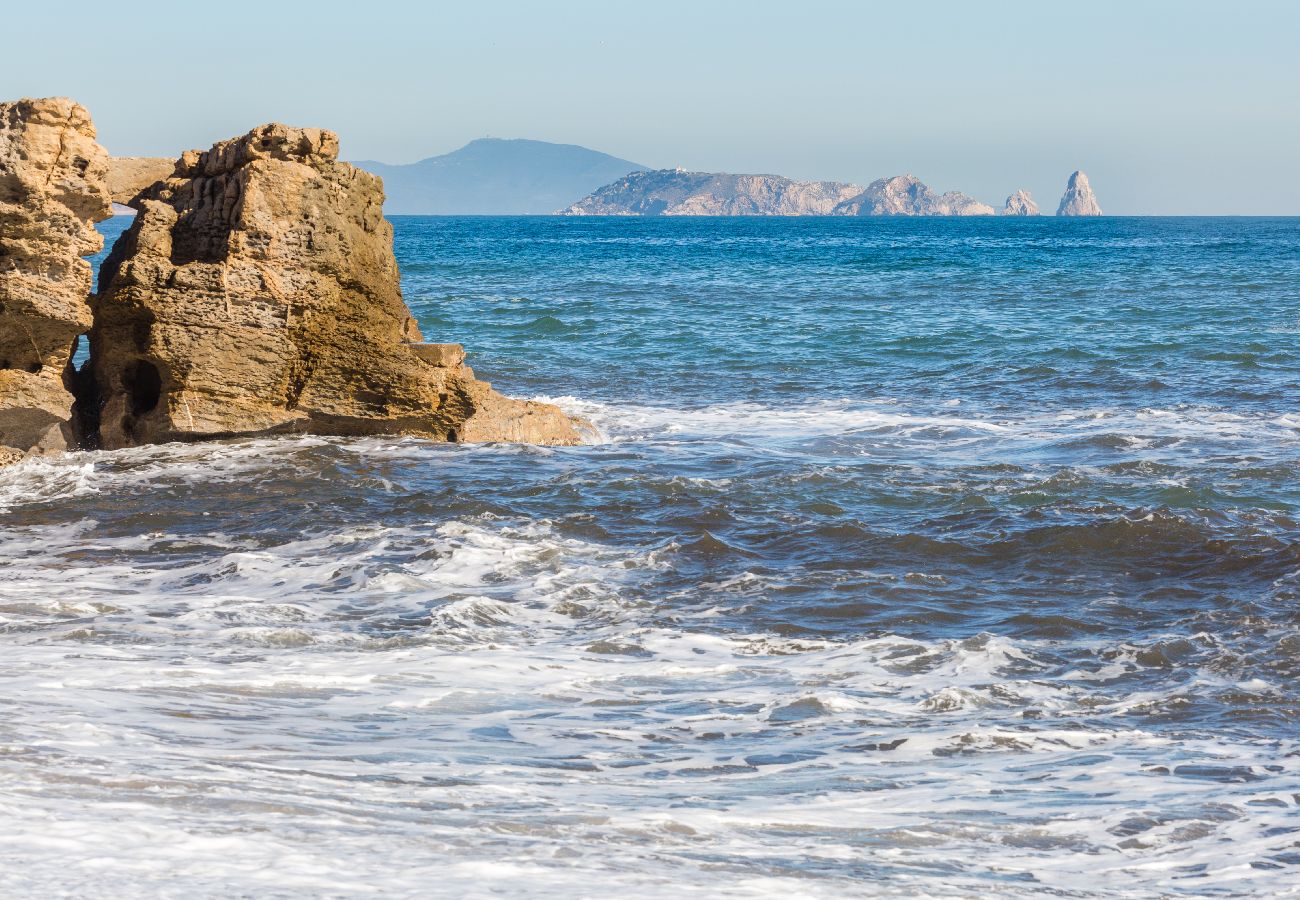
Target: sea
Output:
[(908, 557)]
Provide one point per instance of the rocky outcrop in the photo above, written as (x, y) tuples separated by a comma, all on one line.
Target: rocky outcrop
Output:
[(52, 190), (1079, 200), (1021, 203), (906, 195), (672, 192), (257, 293), (128, 176)]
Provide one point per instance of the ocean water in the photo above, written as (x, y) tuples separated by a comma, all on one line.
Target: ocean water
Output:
[(914, 558)]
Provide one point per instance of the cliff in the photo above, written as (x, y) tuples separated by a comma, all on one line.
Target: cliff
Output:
[(1021, 203), (491, 176), (670, 192), (128, 176), (52, 190), (1078, 200), (906, 195)]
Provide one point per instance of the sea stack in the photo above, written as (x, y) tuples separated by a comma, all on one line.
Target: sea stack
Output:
[(257, 293), (1079, 200), (53, 188), (907, 195), (1021, 203)]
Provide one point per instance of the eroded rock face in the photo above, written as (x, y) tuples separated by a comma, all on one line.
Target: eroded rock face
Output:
[(1078, 200), (53, 189), (129, 176), (1021, 203), (257, 293), (907, 195)]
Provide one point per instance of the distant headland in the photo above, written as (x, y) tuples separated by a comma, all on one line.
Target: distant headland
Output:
[(492, 176), (673, 192)]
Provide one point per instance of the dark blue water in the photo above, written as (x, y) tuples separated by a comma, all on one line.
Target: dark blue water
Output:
[(923, 556)]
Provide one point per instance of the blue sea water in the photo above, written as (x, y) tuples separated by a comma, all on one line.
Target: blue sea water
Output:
[(916, 557)]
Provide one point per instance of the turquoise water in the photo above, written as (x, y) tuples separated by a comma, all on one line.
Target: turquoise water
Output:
[(916, 557)]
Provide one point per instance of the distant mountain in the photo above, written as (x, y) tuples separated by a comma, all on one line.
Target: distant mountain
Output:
[(672, 192), (491, 176)]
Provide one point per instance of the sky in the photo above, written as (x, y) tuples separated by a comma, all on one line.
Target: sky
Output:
[(1170, 107)]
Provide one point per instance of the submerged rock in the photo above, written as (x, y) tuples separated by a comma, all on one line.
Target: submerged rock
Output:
[(907, 195), (257, 293), (129, 176), (672, 192), (1078, 200), (52, 190), (1021, 203)]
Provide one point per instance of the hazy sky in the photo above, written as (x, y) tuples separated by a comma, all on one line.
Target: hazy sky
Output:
[(1171, 107)]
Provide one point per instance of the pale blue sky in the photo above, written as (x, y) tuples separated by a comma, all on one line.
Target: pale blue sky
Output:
[(1171, 107)]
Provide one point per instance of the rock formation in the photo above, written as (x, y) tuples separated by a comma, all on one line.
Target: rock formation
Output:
[(672, 192), (1079, 200), (257, 293), (1021, 203), (906, 195), (128, 176), (52, 190)]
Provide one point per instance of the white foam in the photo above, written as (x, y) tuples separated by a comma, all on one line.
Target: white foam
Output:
[(938, 429), (487, 705)]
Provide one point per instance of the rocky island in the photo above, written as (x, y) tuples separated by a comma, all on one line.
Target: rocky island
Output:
[(672, 192), (256, 293), (1078, 200), (1021, 203), (907, 195)]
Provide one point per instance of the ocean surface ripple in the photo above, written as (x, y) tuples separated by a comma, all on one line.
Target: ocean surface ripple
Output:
[(917, 558)]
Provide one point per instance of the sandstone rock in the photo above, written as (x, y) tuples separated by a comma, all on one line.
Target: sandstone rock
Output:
[(128, 176), (1078, 200), (257, 293), (9, 456), (672, 192), (1021, 203), (906, 195), (448, 355), (52, 190)]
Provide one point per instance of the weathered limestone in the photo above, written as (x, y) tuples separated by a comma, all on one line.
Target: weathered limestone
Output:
[(257, 293), (1021, 203), (52, 190), (1078, 200), (128, 176), (907, 195)]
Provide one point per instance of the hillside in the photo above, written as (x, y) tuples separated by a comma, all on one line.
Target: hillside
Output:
[(492, 176)]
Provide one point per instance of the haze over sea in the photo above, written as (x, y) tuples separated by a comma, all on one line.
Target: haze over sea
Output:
[(915, 557)]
